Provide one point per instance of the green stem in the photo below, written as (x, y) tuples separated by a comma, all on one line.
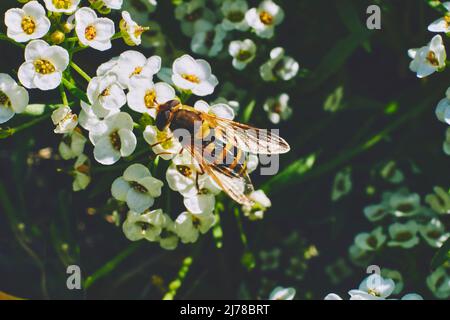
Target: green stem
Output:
[(176, 283), (80, 71), (64, 99), (6, 38), (241, 227)]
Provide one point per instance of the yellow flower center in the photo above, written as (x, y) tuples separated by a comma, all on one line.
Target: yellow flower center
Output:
[(184, 170), (115, 140), (62, 4), (137, 71), (149, 99), (138, 31), (431, 58), (162, 136), (28, 25), (373, 293), (447, 20), (4, 100), (266, 18), (191, 78), (105, 92), (90, 33), (44, 66)]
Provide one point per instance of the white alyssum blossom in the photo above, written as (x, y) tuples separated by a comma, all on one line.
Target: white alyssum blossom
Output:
[(264, 18), (43, 66), (144, 96), (370, 241), (342, 184), (439, 201), (280, 293), (13, 98), (428, 59), (434, 233), (193, 75), (234, 15), (64, 120), (260, 205), (443, 108), (201, 202), (131, 30), (220, 110), (404, 204), (93, 31), (412, 296), (81, 173), (358, 256), (137, 187), (189, 226), (88, 119), (279, 66), (191, 14), (442, 24), (209, 41), (168, 239), (113, 138), (141, 11), (62, 6), (148, 225), (162, 142), (439, 283), (374, 287), (403, 235), (72, 145), (134, 65), (278, 108), (396, 276), (28, 23), (113, 4), (243, 52), (105, 95)]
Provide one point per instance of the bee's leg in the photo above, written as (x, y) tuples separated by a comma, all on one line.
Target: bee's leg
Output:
[(197, 174), (161, 142)]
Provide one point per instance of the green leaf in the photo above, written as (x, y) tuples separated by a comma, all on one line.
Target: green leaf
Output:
[(442, 256), (75, 91), (248, 111)]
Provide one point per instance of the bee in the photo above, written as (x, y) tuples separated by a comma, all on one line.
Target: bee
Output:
[(220, 146)]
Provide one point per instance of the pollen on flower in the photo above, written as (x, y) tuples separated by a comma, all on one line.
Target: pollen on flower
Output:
[(149, 99), (138, 187), (28, 25), (62, 4), (106, 92), (164, 141), (4, 100), (191, 78), (90, 33), (44, 66), (431, 58), (266, 18), (447, 20), (115, 140), (137, 71), (373, 293), (139, 30), (184, 170)]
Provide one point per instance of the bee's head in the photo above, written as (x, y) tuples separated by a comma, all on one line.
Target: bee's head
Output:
[(164, 114)]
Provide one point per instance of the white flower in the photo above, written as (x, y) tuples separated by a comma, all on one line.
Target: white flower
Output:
[(163, 143), (243, 52), (134, 65), (131, 30), (403, 235), (332, 296), (412, 296), (201, 202), (439, 283), (188, 226), (376, 212), (439, 201), (374, 287), (396, 276), (220, 110), (279, 66), (105, 95), (280, 293), (64, 120), (113, 4), (260, 205), (278, 108), (209, 41), (93, 31), (168, 239), (82, 176), (72, 145), (191, 13), (428, 59), (404, 204), (62, 6), (140, 13), (264, 18), (370, 241), (113, 138), (442, 24), (443, 108), (434, 233), (107, 67), (234, 15), (43, 66), (358, 256), (137, 188), (145, 96), (89, 120), (27, 23), (13, 98), (194, 75), (148, 225)]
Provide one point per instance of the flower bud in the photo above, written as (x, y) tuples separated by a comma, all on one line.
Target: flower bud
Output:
[(57, 37)]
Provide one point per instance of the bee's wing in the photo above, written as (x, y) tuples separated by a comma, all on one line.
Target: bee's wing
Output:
[(238, 187), (247, 138)]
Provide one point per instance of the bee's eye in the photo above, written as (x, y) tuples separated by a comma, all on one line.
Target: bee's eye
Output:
[(162, 120)]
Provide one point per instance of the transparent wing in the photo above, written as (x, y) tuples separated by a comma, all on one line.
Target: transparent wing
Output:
[(247, 138)]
